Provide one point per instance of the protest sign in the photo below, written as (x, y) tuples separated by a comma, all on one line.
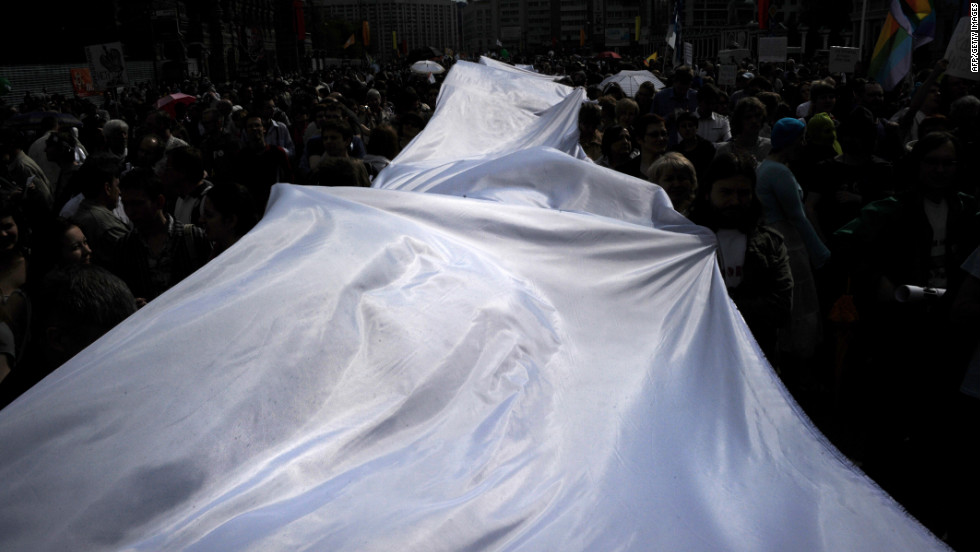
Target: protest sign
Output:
[(772, 49), (107, 65), (843, 60)]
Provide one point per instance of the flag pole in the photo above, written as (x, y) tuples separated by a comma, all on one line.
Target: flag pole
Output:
[(864, 15)]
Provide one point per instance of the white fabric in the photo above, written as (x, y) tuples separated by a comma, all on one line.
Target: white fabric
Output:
[(374, 369)]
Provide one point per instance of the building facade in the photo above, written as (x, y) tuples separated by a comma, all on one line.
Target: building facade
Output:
[(394, 27)]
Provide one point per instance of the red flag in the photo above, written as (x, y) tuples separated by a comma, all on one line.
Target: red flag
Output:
[(350, 41), (366, 33), (763, 14), (300, 19)]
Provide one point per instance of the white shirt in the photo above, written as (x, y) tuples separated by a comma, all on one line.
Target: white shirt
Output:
[(714, 129)]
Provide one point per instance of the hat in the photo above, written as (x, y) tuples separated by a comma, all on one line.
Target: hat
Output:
[(786, 132), (747, 76), (822, 131)]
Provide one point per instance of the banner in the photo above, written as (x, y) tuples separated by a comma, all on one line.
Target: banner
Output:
[(772, 49), (107, 65), (501, 346), (81, 82), (962, 58), (843, 60)]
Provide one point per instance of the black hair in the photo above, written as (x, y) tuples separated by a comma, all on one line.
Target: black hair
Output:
[(142, 180), (231, 198), (97, 171)]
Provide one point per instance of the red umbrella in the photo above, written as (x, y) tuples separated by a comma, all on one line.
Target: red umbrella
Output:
[(167, 102), (608, 55)]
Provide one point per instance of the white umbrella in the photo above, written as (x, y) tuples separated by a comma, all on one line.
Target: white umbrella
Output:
[(426, 66), (630, 81)]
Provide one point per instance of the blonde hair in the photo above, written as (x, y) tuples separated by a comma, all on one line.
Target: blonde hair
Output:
[(676, 163)]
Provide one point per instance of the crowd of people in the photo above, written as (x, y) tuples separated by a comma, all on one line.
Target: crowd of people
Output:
[(845, 217)]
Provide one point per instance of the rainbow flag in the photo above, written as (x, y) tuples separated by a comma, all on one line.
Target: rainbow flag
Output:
[(909, 24)]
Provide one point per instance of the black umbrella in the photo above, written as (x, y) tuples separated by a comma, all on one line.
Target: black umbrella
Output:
[(33, 119)]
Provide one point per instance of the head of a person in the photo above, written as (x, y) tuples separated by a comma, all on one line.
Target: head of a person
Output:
[(116, 132), (822, 132), (255, 132), (707, 98), (341, 171), (409, 125), (934, 158), (185, 170), (81, 302), (650, 133), (65, 244), (682, 79), (616, 143), (142, 196), (931, 103), (964, 111), (823, 96), (383, 141), (626, 111), (748, 116), (229, 213), (787, 136), (687, 124), (677, 176), (151, 150), (373, 99), (589, 119), (98, 179), (858, 132), (728, 192), (266, 107), (60, 147), (872, 97), (9, 230), (212, 121), (644, 94), (613, 89), (336, 137), (159, 123)]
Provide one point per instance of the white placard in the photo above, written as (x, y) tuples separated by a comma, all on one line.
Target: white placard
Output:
[(726, 74), (733, 56), (842, 59), (958, 52), (772, 49), (107, 64), (688, 54)]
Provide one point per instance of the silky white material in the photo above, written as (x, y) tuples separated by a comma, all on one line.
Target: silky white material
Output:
[(375, 369)]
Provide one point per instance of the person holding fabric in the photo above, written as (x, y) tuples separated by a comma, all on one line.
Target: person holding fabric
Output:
[(229, 213), (617, 147), (782, 204), (650, 134), (752, 257), (677, 176)]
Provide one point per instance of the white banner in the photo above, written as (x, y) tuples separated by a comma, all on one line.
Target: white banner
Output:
[(772, 49), (503, 347), (107, 65), (962, 53), (843, 60)]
